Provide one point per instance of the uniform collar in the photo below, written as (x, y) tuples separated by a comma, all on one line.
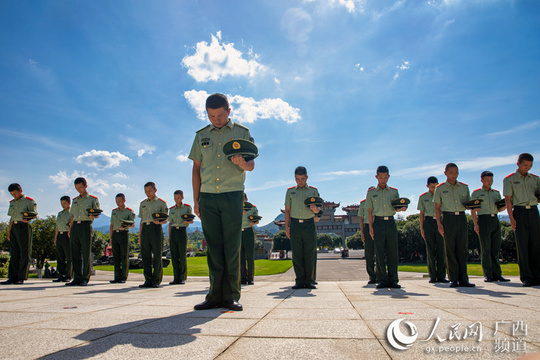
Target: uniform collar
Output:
[(523, 176), (154, 199), (381, 189), (178, 207), (305, 187), (484, 189), (228, 124), (448, 184)]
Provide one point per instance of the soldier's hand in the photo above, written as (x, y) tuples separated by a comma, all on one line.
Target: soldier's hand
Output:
[(422, 233), (139, 241), (441, 230), (314, 208), (362, 237), (401, 208), (196, 209), (477, 229), (317, 219), (238, 160), (513, 223), (288, 232), (371, 233)]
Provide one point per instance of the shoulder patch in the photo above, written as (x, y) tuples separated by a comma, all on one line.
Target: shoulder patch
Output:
[(478, 189), (162, 200), (423, 193), (507, 176), (95, 197), (29, 198), (374, 189), (254, 205), (130, 209), (363, 201), (533, 175), (292, 187), (187, 204), (462, 183), (441, 184), (492, 189), (12, 200), (144, 200), (392, 188), (172, 206), (114, 209), (77, 197), (240, 126), (313, 187), (207, 126)]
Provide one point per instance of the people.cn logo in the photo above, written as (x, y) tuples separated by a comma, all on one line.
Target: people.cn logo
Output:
[(397, 338)]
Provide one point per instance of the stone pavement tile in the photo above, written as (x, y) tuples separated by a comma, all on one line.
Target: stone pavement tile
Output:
[(257, 302), (506, 313), (410, 313), (95, 321), (249, 312), (294, 328), (401, 305), (464, 303), (186, 325), (148, 310), (12, 319), (148, 346), (304, 349), (302, 295), (40, 342), (317, 304), (314, 314)]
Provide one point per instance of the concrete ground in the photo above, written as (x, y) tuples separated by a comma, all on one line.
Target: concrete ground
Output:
[(343, 319)]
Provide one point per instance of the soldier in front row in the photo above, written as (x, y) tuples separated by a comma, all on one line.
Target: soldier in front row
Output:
[(122, 219), (369, 247), (61, 241), (178, 224)]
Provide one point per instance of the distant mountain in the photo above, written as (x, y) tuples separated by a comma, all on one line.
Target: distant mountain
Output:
[(271, 227), (104, 229)]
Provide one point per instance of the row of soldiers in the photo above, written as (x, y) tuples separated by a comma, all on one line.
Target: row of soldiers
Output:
[(443, 226)]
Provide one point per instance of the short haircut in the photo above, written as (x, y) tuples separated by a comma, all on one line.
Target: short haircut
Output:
[(525, 157), (179, 192), (432, 180), (217, 101), (66, 198), (383, 169), (80, 180), (450, 165), (300, 170), (150, 184), (14, 187), (120, 195), (486, 173)]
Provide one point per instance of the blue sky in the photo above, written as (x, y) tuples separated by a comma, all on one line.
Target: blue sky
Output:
[(114, 90)]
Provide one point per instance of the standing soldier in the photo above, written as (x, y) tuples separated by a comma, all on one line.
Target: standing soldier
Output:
[(61, 240), (180, 216), (521, 191), (436, 255), (22, 209), (122, 218), (450, 198), (84, 210), (488, 228), (300, 228), (369, 247), (151, 236), (383, 229), (218, 186), (247, 253)]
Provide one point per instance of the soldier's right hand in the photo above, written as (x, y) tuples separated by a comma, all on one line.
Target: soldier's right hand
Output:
[(288, 232), (196, 209), (441, 230)]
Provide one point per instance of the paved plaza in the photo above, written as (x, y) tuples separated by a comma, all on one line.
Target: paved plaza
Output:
[(342, 319)]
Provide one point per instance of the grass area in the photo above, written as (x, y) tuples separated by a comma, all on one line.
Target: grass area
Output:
[(472, 269), (197, 266)]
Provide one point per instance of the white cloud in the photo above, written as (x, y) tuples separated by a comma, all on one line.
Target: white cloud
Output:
[(359, 67), (64, 181), (347, 173), (117, 186), (276, 80), (247, 110), (350, 5), (120, 175), (400, 68), (523, 127), (212, 62), (270, 185), (96, 184), (101, 159), (140, 147), (182, 158)]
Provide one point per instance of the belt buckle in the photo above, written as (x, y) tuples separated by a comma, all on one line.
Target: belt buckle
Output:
[(78, 222), (492, 215), (528, 207), (177, 227), (300, 221), (456, 213), (116, 230), (15, 222), (385, 218)]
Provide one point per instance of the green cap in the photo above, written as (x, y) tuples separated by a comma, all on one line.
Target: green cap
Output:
[(246, 148), (400, 202), (160, 216), (253, 218), (93, 211), (473, 204), (188, 217), (313, 200), (248, 206), (126, 223), (29, 214), (501, 203)]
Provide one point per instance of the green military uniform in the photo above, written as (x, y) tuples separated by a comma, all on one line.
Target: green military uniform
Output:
[(303, 233), (20, 239), (63, 247), (454, 221), (152, 240), (369, 247), (436, 255), (178, 241), (247, 250), (525, 210), (81, 236), (221, 207), (385, 236), (490, 231), (120, 242)]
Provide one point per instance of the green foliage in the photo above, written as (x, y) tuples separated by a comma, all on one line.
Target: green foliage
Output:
[(43, 240), (281, 241), (99, 243), (355, 241), (410, 242), (325, 241), (4, 226)]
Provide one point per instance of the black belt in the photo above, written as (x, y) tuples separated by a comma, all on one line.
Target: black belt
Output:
[(82, 222), (301, 221), (117, 231), (62, 232), (429, 217), (385, 218), (456, 213), (528, 207), (487, 215)]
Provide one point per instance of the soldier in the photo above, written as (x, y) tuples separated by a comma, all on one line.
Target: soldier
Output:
[(61, 240), (300, 228), (19, 235), (122, 218), (369, 249), (80, 233), (383, 229), (218, 185), (521, 190), (449, 199), (488, 228), (247, 251), (178, 224), (436, 255), (151, 236)]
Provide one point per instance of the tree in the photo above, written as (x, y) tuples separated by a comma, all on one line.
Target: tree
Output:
[(325, 241), (99, 243), (43, 240), (355, 241), (282, 242)]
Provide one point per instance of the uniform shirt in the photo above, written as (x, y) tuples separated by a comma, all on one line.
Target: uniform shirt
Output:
[(521, 188), (451, 197), (218, 174), (117, 215), (245, 219), (16, 207), (80, 206), (489, 197), (362, 211), (426, 204), (149, 207), (295, 198), (175, 214), (380, 200), (62, 221)]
